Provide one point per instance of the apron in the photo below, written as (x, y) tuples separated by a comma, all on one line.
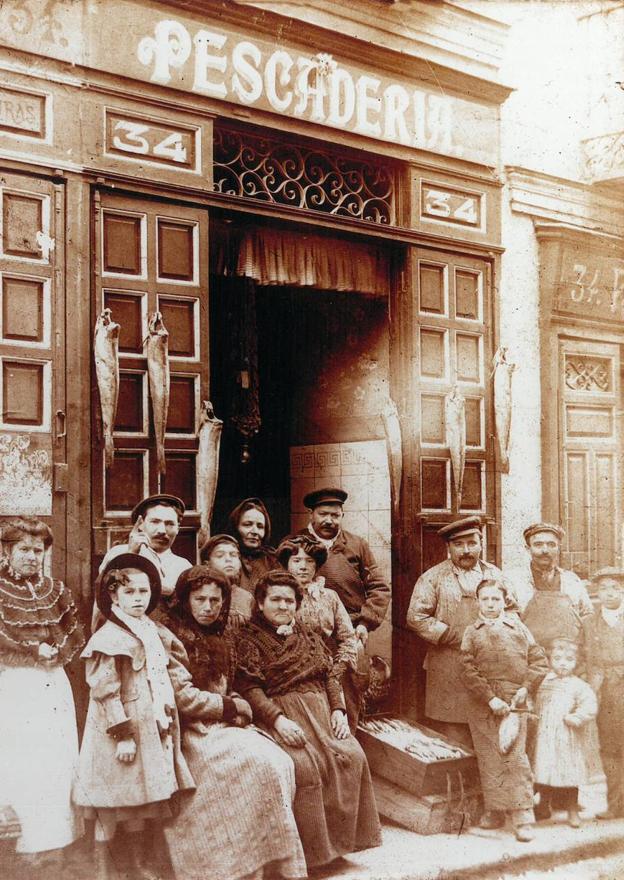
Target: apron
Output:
[(446, 698), (550, 615)]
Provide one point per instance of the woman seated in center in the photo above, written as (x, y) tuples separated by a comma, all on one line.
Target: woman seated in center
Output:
[(239, 821), (285, 672)]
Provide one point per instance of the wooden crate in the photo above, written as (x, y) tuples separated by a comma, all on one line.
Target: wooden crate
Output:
[(431, 814), (410, 772)]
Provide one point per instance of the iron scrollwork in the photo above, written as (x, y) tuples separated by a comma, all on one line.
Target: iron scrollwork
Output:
[(262, 168), (587, 374)]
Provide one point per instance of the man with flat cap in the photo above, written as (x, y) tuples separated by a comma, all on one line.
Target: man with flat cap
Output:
[(155, 526), (443, 604), (352, 571), (552, 600)]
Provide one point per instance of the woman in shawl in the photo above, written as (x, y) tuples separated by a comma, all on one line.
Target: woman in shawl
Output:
[(240, 818), (322, 611), (284, 670), (250, 524), (39, 635)]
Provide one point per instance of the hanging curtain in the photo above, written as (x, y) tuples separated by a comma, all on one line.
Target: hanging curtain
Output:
[(297, 259)]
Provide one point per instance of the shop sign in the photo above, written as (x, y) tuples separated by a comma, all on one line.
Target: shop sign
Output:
[(317, 88), (22, 113), (591, 284), (448, 205), (144, 138)]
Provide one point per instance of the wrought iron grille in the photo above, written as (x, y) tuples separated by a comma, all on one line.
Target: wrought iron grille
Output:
[(270, 170)]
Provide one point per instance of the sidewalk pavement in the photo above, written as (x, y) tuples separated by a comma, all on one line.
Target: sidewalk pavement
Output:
[(476, 854)]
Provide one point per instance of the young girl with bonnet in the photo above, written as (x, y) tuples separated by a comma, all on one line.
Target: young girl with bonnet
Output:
[(565, 705), (130, 761), (501, 663)]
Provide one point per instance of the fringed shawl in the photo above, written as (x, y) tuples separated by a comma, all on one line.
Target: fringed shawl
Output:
[(280, 664), (210, 649), (32, 611)]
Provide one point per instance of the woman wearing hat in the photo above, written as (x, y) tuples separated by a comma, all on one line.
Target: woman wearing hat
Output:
[(39, 635), (250, 524)]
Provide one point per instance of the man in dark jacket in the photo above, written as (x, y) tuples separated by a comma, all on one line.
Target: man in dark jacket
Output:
[(351, 569)]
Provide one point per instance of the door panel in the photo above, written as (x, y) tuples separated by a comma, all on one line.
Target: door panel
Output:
[(151, 256), (452, 306), (32, 354), (590, 394)]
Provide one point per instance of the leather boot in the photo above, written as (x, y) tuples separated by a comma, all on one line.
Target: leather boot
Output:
[(138, 860)]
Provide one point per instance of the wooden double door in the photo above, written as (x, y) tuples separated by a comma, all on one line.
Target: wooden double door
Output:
[(150, 256)]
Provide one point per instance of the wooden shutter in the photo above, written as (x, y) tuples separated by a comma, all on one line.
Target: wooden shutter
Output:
[(151, 256), (452, 346), (32, 353)]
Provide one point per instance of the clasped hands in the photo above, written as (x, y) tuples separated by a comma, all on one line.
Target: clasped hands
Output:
[(290, 732)]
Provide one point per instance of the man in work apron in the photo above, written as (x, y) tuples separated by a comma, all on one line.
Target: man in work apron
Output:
[(443, 604), (352, 571), (552, 600)]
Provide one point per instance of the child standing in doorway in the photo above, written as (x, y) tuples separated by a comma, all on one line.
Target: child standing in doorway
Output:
[(501, 663), (565, 705), (130, 761)]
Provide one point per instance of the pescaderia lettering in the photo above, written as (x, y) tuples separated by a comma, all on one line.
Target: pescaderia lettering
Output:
[(314, 88)]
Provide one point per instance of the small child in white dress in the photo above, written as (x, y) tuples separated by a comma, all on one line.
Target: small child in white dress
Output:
[(566, 706)]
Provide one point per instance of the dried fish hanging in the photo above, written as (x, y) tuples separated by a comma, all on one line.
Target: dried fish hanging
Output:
[(502, 374), (159, 382), (245, 407), (106, 354), (455, 420), (392, 428), (209, 436)]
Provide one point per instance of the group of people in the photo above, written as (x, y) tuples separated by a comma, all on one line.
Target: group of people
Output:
[(224, 695), (521, 665)]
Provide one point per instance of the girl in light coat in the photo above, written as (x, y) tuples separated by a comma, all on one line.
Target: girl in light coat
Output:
[(565, 705)]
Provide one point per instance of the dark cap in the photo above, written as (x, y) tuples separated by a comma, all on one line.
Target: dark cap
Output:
[(609, 572), (467, 526), (127, 560), (324, 496), (534, 528), (153, 500)]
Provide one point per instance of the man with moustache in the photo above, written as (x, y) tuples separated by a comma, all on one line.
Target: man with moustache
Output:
[(552, 600), (443, 604), (351, 569)]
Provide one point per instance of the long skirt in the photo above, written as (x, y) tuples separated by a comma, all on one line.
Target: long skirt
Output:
[(240, 816), (334, 804), (39, 756), (506, 780)]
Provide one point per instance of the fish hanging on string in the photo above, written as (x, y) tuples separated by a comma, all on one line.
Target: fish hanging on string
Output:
[(209, 435), (502, 374), (392, 428), (159, 380), (106, 353), (455, 420)]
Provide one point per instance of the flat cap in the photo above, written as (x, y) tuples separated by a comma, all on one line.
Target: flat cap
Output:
[(534, 528), (324, 496), (153, 500), (466, 526), (609, 571)]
